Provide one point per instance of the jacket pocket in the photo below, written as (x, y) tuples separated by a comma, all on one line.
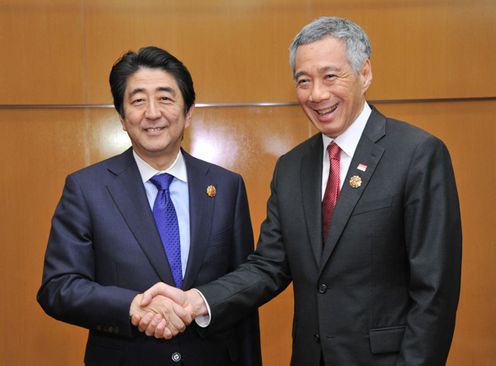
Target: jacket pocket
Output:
[(386, 340)]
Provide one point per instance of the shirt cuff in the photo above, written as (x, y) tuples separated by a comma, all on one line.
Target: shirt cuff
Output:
[(203, 321)]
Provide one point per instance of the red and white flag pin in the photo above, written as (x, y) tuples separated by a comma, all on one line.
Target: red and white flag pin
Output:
[(362, 167)]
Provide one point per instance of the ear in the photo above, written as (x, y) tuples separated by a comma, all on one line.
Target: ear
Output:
[(366, 75), (123, 123), (189, 115)]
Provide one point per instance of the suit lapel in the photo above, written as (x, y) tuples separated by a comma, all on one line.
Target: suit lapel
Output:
[(311, 177), (129, 195), (201, 211), (368, 153)]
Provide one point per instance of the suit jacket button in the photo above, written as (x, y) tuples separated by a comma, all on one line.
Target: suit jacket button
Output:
[(316, 337), (322, 288), (176, 357)]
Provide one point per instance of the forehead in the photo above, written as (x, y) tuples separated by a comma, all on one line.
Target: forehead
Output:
[(149, 79), (326, 52)]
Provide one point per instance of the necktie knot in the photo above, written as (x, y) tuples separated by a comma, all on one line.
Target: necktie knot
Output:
[(334, 151), (162, 181)]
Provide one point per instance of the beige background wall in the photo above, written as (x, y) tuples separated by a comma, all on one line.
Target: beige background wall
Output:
[(58, 53)]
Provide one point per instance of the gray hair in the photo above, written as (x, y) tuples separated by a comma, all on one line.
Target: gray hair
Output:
[(356, 40)]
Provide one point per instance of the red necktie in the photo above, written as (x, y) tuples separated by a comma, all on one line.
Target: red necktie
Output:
[(332, 189)]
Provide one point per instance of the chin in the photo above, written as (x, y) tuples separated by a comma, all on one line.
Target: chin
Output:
[(326, 130)]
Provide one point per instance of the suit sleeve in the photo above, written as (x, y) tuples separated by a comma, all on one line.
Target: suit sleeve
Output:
[(433, 240), (69, 291), (262, 277)]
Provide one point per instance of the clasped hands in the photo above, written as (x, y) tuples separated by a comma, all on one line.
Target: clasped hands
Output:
[(164, 311)]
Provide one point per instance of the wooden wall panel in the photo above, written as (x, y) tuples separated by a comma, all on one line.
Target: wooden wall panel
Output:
[(226, 45), (42, 53), (237, 51), (37, 149), (248, 141)]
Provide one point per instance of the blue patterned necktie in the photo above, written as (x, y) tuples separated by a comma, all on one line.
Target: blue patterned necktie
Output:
[(167, 225)]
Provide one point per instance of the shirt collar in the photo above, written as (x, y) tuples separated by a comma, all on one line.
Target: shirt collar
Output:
[(348, 140), (177, 169)]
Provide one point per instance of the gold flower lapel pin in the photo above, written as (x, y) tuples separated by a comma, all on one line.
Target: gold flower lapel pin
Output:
[(211, 191), (355, 181)]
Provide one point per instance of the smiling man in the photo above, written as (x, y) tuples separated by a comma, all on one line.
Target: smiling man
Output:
[(363, 218), (153, 213)]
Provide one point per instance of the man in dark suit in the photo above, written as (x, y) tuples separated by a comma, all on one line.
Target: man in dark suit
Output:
[(108, 242), (363, 218)]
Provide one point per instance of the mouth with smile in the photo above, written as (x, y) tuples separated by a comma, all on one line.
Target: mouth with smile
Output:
[(323, 112), (326, 113), (154, 130)]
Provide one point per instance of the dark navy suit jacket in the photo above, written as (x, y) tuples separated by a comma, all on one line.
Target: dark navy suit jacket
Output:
[(104, 249)]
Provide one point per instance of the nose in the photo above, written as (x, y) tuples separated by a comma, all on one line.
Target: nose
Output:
[(318, 93), (152, 111)]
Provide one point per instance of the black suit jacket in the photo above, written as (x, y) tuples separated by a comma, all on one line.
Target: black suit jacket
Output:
[(383, 289), (104, 249)]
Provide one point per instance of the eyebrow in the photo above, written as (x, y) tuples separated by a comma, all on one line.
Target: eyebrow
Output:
[(167, 89), (161, 88), (298, 74)]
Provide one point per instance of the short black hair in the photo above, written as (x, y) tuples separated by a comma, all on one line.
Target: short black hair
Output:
[(153, 58)]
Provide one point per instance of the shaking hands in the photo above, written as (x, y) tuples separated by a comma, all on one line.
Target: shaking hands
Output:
[(164, 311)]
